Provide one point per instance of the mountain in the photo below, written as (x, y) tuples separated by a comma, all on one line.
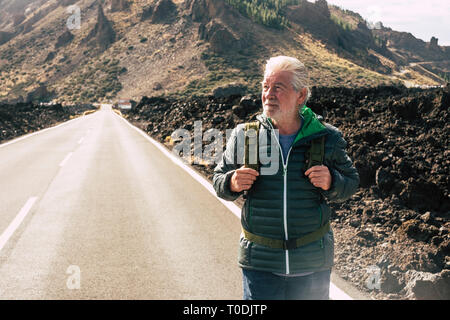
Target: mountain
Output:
[(127, 48)]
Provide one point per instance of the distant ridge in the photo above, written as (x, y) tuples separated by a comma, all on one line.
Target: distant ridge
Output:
[(167, 47)]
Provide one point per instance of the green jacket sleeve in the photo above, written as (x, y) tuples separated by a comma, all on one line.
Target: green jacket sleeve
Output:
[(345, 177), (225, 169)]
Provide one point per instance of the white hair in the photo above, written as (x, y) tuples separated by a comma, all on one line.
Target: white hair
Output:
[(296, 67)]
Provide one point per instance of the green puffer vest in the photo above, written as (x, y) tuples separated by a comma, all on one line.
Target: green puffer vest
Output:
[(286, 205)]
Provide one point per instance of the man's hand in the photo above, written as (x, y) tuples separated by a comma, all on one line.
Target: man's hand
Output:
[(242, 179), (319, 176)]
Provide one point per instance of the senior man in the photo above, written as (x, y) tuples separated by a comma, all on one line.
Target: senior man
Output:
[(286, 248)]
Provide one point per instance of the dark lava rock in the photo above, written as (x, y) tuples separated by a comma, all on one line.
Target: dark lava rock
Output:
[(422, 194), (419, 231), (366, 238), (428, 286), (22, 118), (163, 11), (250, 103), (389, 283), (384, 180), (240, 111)]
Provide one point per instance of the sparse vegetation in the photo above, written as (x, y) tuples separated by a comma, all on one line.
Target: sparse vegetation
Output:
[(95, 83), (341, 23), (225, 69), (266, 12)]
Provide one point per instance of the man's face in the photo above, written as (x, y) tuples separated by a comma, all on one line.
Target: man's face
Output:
[(279, 98)]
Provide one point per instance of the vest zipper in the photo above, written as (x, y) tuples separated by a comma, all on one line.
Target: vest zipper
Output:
[(320, 224), (286, 235), (285, 206)]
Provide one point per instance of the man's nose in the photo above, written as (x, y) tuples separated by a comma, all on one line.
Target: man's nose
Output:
[(270, 92)]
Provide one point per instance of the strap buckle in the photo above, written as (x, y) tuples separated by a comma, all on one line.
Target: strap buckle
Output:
[(290, 244)]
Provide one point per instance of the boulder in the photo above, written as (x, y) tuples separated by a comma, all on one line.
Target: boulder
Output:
[(384, 180), (389, 283), (163, 11), (240, 111), (219, 36), (428, 286)]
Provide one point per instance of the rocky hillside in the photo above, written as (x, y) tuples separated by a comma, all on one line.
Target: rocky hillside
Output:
[(398, 223), (128, 48)]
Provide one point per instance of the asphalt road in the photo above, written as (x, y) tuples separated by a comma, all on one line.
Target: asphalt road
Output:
[(112, 218), (91, 209)]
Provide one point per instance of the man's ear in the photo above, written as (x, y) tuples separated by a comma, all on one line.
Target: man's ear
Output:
[(302, 97)]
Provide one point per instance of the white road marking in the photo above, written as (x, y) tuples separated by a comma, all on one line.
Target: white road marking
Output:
[(335, 292), (65, 159), (338, 294), (178, 161), (81, 140), (16, 222)]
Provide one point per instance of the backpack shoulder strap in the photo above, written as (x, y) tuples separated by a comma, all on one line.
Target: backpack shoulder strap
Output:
[(315, 154), (251, 145)]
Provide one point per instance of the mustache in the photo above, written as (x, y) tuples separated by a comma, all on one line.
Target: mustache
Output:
[(271, 101)]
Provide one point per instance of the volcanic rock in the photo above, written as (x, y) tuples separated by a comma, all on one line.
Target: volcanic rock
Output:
[(119, 5), (240, 111), (163, 11), (220, 37), (384, 180), (402, 206), (250, 103), (428, 286), (64, 39), (103, 35), (39, 94), (389, 282), (22, 118)]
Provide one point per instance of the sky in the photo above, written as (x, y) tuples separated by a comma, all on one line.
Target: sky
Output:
[(423, 19)]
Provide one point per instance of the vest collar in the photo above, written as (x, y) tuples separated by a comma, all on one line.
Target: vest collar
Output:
[(311, 123)]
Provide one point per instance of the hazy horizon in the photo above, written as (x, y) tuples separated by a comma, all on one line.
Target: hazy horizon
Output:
[(421, 20)]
